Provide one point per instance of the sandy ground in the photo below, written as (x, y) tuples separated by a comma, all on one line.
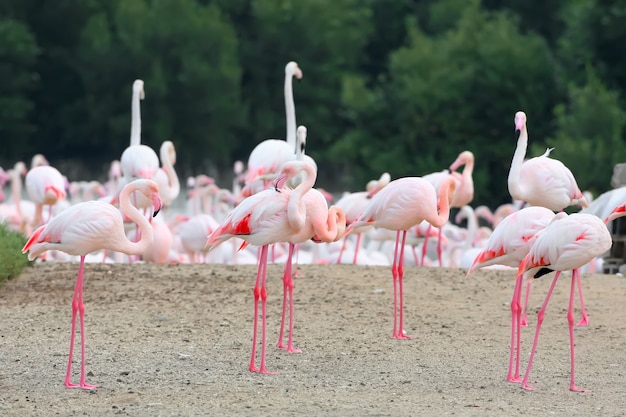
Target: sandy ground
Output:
[(175, 340)]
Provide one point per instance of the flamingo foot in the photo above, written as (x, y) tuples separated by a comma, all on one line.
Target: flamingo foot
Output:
[(288, 348), (82, 385), (524, 321), (402, 336), (584, 321), (574, 388), (513, 379), (528, 387)]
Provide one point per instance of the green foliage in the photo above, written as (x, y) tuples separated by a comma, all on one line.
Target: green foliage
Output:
[(12, 260)]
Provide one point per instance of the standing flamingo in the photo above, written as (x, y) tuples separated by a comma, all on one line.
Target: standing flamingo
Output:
[(509, 243), (541, 181), (169, 185), (268, 156), (270, 216), (402, 204), (567, 243), (87, 227)]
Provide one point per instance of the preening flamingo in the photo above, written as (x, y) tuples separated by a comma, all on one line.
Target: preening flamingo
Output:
[(270, 216), (87, 227), (402, 204), (268, 156), (45, 186), (541, 181), (464, 193), (567, 243)]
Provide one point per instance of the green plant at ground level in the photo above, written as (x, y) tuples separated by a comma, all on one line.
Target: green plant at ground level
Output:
[(12, 260)]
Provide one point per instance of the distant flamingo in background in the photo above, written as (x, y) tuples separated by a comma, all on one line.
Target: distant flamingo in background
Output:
[(464, 193), (169, 185), (87, 227), (567, 243), (138, 161), (353, 205), (268, 156), (541, 181), (402, 204), (45, 186), (270, 216), (509, 243)]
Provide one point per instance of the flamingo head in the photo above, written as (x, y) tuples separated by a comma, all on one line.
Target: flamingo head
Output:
[(293, 69), (168, 150), (464, 158), (520, 121), (138, 88)]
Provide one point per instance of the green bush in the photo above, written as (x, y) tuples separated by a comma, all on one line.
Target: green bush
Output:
[(12, 260)]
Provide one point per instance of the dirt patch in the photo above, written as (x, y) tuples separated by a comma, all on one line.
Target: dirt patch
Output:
[(175, 340)]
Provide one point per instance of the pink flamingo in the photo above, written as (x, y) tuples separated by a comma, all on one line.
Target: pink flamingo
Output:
[(353, 205), (268, 156), (45, 186), (169, 185), (541, 181), (402, 204), (87, 227), (464, 193), (270, 216), (509, 243), (567, 243)]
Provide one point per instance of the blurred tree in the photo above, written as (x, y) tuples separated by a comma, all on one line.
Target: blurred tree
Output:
[(18, 57)]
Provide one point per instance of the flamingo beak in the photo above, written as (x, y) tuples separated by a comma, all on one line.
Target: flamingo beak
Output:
[(156, 202)]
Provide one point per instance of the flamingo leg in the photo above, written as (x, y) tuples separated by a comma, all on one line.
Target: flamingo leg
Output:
[(425, 245), (524, 321), (398, 275), (515, 331), (259, 294), (343, 247), (78, 307), (584, 320), (540, 317), (440, 247), (356, 248), (288, 286), (570, 322)]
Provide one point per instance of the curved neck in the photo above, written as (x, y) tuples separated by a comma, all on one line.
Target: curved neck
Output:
[(296, 208), (335, 226), (514, 180), (16, 191), (472, 226), (447, 186), (290, 112), (130, 211), (135, 126)]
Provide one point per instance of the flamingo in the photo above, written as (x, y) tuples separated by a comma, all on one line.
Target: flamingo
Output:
[(567, 243), (268, 156), (402, 204), (45, 186), (270, 216), (138, 161), (87, 227), (541, 181), (464, 193), (353, 205), (169, 185), (509, 243)]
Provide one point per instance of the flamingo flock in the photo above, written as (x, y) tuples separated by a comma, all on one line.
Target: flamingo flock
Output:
[(274, 213)]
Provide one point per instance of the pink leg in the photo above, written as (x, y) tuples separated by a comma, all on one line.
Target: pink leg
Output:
[(515, 331), (440, 248), (584, 321), (570, 322), (540, 317), (262, 369), (258, 288), (78, 306), (398, 274), (343, 247), (524, 321), (356, 248), (425, 245), (296, 273), (288, 286)]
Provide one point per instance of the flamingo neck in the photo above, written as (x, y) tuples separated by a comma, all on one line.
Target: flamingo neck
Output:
[(130, 211), (515, 173), (173, 185), (135, 126), (444, 203), (335, 226), (16, 192), (296, 207), (290, 112)]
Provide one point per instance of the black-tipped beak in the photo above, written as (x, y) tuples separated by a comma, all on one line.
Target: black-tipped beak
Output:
[(156, 212), (517, 133)]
